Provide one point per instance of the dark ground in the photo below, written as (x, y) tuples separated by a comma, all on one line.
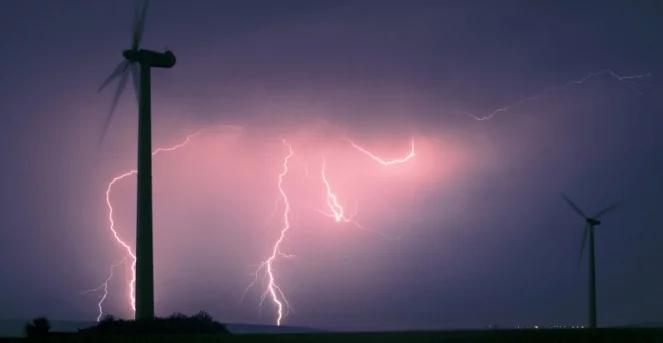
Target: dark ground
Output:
[(533, 335)]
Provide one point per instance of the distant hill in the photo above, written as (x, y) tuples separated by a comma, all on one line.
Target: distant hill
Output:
[(261, 333), (14, 327), (241, 328)]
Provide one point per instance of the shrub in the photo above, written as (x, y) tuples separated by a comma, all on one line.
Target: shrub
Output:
[(39, 326), (176, 323)]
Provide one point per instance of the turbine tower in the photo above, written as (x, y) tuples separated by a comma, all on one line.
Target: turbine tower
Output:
[(588, 234), (139, 62)]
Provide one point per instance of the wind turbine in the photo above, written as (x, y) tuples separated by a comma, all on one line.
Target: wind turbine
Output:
[(590, 224), (139, 62)]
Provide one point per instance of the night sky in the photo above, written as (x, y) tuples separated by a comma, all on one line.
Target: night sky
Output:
[(471, 232)]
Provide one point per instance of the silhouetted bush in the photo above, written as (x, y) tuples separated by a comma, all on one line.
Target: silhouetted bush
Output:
[(177, 323), (39, 326)]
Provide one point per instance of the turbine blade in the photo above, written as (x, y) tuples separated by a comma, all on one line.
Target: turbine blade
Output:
[(607, 209), (116, 97), (116, 73), (583, 243), (139, 24), (574, 206)]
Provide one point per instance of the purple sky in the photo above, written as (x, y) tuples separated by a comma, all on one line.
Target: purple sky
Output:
[(472, 232)]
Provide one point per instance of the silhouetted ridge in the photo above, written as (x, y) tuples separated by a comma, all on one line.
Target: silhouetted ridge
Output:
[(176, 323)]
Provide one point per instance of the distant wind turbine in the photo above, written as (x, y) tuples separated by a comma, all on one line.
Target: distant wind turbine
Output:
[(138, 62), (588, 232)]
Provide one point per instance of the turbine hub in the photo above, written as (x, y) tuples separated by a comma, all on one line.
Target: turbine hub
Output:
[(131, 55)]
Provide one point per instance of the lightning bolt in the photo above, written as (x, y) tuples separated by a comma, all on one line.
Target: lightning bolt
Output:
[(548, 91), (410, 155), (104, 287), (337, 212), (273, 290), (116, 236), (111, 221), (332, 200), (277, 295)]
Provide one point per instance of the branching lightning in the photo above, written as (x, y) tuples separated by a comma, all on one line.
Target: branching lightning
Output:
[(119, 240), (116, 236), (273, 289), (111, 221), (337, 211), (104, 287), (382, 161), (548, 91)]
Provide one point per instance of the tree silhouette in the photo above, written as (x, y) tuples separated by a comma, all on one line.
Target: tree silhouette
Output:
[(39, 326), (177, 323)]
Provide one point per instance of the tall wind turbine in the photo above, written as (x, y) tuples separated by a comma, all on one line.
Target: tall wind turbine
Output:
[(139, 62), (590, 224)]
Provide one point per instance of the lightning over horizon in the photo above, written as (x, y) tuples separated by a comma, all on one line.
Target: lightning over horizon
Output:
[(278, 297), (316, 167), (273, 290), (335, 207), (111, 219), (337, 212), (116, 236)]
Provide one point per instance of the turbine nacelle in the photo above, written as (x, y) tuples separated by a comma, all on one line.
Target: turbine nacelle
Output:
[(593, 222), (150, 58)]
